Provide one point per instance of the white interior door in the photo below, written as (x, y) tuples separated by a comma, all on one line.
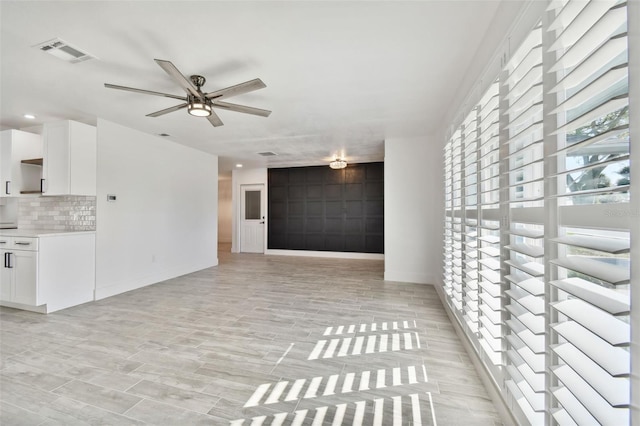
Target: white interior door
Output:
[(252, 211)]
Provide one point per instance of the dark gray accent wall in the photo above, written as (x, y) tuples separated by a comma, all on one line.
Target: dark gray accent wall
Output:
[(318, 208)]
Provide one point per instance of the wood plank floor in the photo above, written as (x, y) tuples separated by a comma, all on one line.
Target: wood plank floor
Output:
[(258, 340)]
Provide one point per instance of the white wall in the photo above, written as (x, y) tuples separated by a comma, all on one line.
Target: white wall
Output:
[(225, 210), (413, 208), (246, 177), (164, 221)]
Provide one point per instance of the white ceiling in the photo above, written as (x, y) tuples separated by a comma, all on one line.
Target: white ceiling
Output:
[(341, 76)]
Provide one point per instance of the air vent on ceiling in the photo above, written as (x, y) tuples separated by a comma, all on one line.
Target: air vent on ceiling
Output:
[(267, 154), (62, 50)]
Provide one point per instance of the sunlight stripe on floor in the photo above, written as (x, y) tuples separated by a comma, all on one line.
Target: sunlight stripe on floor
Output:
[(383, 343), (381, 379), (397, 410), (357, 347), (378, 411), (319, 418), (359, 414), (313, 387), (276, 392), (299, 418), (364, 381), (347, 386), (331, 385), (315, 353), (278, 419), (331, 348), (258, 421), (395, 346), (412, 374), (295, 390), (337, 418), (397, 381), (344, 348), (407, 341), (371, 327), (257, 395), (415, 409), (433, 412), (371, 344), (404, 410)]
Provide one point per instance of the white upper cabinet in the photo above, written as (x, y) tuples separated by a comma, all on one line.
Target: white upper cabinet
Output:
[(69, 159), (17, 176)]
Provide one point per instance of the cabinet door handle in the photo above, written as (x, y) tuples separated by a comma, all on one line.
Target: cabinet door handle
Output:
[(5, 259), (22, 243), (8, 261), (42, 185), (6, 187)]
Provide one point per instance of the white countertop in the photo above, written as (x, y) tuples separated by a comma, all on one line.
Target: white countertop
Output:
[(39, 232)]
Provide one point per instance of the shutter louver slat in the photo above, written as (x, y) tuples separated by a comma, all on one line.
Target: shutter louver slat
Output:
[(613, 359), (610, 273), (573, 407), (599, 322), (602, 297), (590, 399)]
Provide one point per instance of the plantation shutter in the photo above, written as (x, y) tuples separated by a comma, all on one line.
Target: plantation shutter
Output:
[(591, 331)]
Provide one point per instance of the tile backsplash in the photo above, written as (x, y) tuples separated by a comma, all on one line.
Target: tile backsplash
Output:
[(64, 213)]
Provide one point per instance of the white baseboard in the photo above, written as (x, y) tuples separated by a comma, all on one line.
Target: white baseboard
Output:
[(409, 277), (114, 289), (329, 254)]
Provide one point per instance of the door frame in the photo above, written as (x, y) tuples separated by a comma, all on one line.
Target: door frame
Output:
[(263, 208)]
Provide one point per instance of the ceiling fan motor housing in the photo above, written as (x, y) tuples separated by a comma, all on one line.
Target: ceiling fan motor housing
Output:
[(198, 81)]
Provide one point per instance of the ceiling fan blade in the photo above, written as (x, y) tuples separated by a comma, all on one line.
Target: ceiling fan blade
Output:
[(179, 78), (167, 110), (241, 108), (215, 120), (238, 89), (145, 92)]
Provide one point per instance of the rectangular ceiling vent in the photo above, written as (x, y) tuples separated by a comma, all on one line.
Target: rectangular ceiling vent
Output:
[(267, 154), (62, 50)]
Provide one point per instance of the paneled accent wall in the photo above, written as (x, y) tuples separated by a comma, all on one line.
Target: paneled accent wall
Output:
[(320, 209), (65, 213)]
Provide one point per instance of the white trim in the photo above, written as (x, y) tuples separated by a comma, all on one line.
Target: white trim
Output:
[(409, 277), (134, 283), (633, 22), (326, 254)]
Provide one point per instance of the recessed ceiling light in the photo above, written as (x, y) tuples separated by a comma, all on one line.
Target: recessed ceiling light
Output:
[(238, 165), (29, 116)]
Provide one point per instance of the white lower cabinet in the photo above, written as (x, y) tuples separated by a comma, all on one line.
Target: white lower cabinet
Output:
[(47, 273)]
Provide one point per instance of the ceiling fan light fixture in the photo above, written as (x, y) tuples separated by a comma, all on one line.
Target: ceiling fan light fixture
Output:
[(338, 164), (199, 109)]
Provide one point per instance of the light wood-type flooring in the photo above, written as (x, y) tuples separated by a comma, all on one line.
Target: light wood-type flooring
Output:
[(257, 340)]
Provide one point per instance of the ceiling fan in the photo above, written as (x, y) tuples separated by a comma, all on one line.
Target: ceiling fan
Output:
[(197, 102)]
